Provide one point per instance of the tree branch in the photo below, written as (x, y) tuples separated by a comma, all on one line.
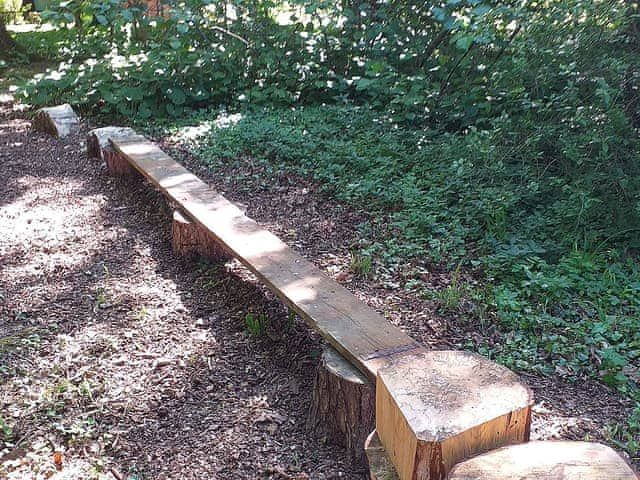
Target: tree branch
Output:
[(231, 34)]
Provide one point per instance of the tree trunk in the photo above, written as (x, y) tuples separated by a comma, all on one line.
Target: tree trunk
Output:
[(8, 46), (343, 405)]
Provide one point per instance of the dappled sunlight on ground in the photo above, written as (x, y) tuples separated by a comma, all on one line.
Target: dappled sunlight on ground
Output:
[(46, 221), (125, 360)]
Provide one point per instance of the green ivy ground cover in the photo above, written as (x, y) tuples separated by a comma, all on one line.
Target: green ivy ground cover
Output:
[(554, 253)]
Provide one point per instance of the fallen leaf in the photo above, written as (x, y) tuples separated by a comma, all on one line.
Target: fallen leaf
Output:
[(57, 460)]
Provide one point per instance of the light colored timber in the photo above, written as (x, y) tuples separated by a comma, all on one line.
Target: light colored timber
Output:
[(437, 408), (360, 334), (552, 460), (58, 121), (343, 404)]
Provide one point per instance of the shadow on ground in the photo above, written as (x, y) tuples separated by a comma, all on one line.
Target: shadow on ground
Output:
[(124, 357)]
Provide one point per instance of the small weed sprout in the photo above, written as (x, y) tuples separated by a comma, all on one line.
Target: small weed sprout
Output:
[(450, 297), (624, 436), (256, 325), (291, 318), (85, 390), (361, 264), (101, 300), (141, 314), (6, 431)]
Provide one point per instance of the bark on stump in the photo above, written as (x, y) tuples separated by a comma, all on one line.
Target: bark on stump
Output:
[(434, 409), (380, 467), (552, 460), (58, 121), (118, 165), (99, 146), (190, 240), (343, 405)]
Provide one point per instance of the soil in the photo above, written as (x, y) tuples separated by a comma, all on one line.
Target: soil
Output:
[(120, 361)]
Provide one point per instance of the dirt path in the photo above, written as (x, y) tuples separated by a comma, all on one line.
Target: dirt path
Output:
[(129, 362), (136, 365)]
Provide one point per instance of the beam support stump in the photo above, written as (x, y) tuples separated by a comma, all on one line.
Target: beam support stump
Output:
[(190, 240), (343, 405), (436, 408), (98, 139), (58, 121), (99, 146), (550, 460)]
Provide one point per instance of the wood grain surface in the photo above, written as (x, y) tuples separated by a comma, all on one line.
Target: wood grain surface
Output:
[(359, 333)]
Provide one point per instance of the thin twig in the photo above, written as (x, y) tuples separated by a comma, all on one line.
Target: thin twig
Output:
[(231, 34), (455, 67)]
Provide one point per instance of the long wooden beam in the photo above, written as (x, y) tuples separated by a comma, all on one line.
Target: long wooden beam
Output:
[(433, 409), (359, 333)]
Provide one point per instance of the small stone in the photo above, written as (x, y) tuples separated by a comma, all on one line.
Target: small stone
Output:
[(202, 323)]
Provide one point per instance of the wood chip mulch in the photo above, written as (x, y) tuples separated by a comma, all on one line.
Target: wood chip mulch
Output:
[(120, 361)]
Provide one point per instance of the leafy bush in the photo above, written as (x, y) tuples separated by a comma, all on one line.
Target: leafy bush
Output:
[(46, 44), (455, 63)]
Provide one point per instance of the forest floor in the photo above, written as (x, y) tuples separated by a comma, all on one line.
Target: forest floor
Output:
[(134, 364)]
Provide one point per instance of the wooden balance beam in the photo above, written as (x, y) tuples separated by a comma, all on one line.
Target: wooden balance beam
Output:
[(433, 409), (360, 334)]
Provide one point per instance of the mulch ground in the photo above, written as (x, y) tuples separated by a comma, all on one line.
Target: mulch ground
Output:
[(134, 364)]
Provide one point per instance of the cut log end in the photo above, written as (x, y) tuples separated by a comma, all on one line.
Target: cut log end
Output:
[(98, 139), (343, 405), (189, 240), (552, 460), (435, 409), (58, 121)]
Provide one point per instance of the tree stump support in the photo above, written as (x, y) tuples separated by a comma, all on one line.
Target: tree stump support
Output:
[(118, 165), (343, 405), (190, 240), (550, 460), (98, 139), (99, 146), (436, 408), (58, 121)]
